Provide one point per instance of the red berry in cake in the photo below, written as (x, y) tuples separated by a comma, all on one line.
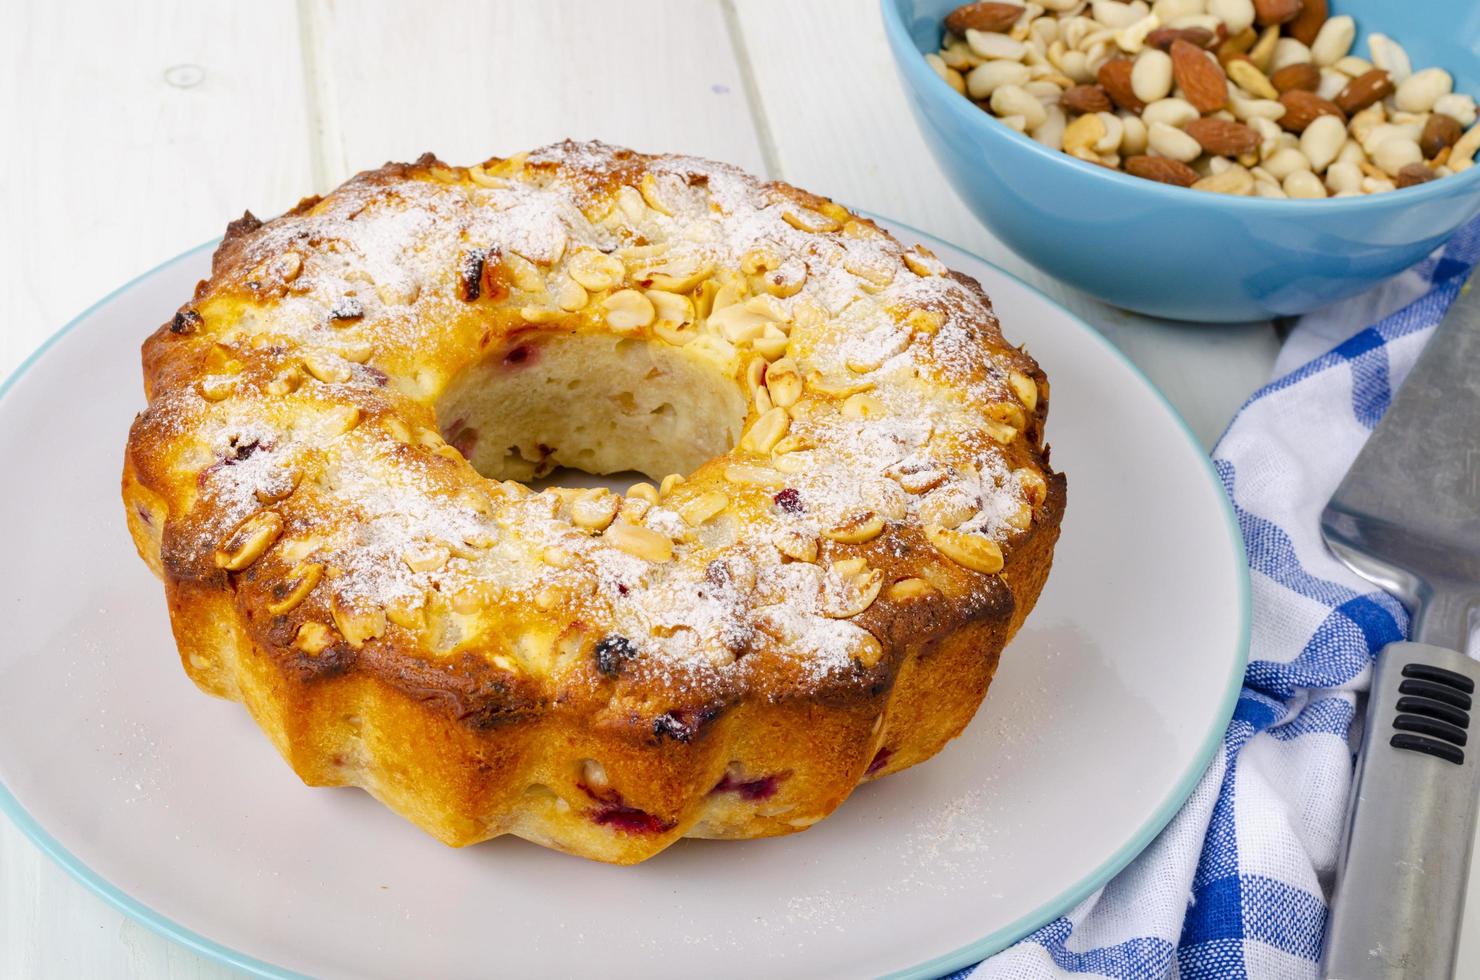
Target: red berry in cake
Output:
[(753, 790), (346, 309), (185, 321), (789, 500), (612, 652), (682, 724), (881, 759)]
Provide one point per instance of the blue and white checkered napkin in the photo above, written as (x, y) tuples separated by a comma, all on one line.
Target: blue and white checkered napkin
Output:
[(1236, 884)]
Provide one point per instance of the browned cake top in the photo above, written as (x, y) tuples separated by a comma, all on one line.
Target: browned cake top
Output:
[(296, 443)]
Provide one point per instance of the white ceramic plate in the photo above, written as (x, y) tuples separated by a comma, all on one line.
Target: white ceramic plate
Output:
[(171, 804)]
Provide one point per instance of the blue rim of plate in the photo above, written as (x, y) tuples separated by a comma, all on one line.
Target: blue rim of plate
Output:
[(21, 817), (930, 969)]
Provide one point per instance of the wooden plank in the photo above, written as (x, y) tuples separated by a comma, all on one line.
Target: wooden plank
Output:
[(836, 114), (134, 131), (169, 122), (470, 80)]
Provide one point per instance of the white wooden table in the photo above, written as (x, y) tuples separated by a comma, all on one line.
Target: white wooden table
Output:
[(136, 130)]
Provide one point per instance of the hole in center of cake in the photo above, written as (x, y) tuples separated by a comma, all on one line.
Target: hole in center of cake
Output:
[(597, 403)]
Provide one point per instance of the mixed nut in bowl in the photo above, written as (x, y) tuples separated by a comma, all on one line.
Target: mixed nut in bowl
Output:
[(1273, 103)]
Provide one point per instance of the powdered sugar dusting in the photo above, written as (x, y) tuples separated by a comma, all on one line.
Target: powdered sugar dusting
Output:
[(381, 261)]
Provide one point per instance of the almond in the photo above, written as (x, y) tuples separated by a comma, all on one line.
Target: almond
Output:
[(1223, 138), (1085, 98), (1414, 173), (1307, 24), (1268, 12), (1302, 108), (1305, 76), (1163, 37), (1164, 170), (1203, 82), (1440, 131), (1115, 79), (1364, 90), (994, 17)]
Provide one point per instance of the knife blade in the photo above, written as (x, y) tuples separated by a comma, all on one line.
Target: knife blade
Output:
[(1407, 517)]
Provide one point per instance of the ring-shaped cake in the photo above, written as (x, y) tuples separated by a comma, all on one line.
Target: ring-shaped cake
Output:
[(851, 511)]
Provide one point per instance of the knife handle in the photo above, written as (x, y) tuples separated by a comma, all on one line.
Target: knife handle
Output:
[(1400, 884)]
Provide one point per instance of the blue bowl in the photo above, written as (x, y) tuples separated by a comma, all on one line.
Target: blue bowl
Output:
[(1183, 254)]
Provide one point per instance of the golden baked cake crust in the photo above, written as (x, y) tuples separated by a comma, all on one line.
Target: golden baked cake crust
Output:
[(329, 478)]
